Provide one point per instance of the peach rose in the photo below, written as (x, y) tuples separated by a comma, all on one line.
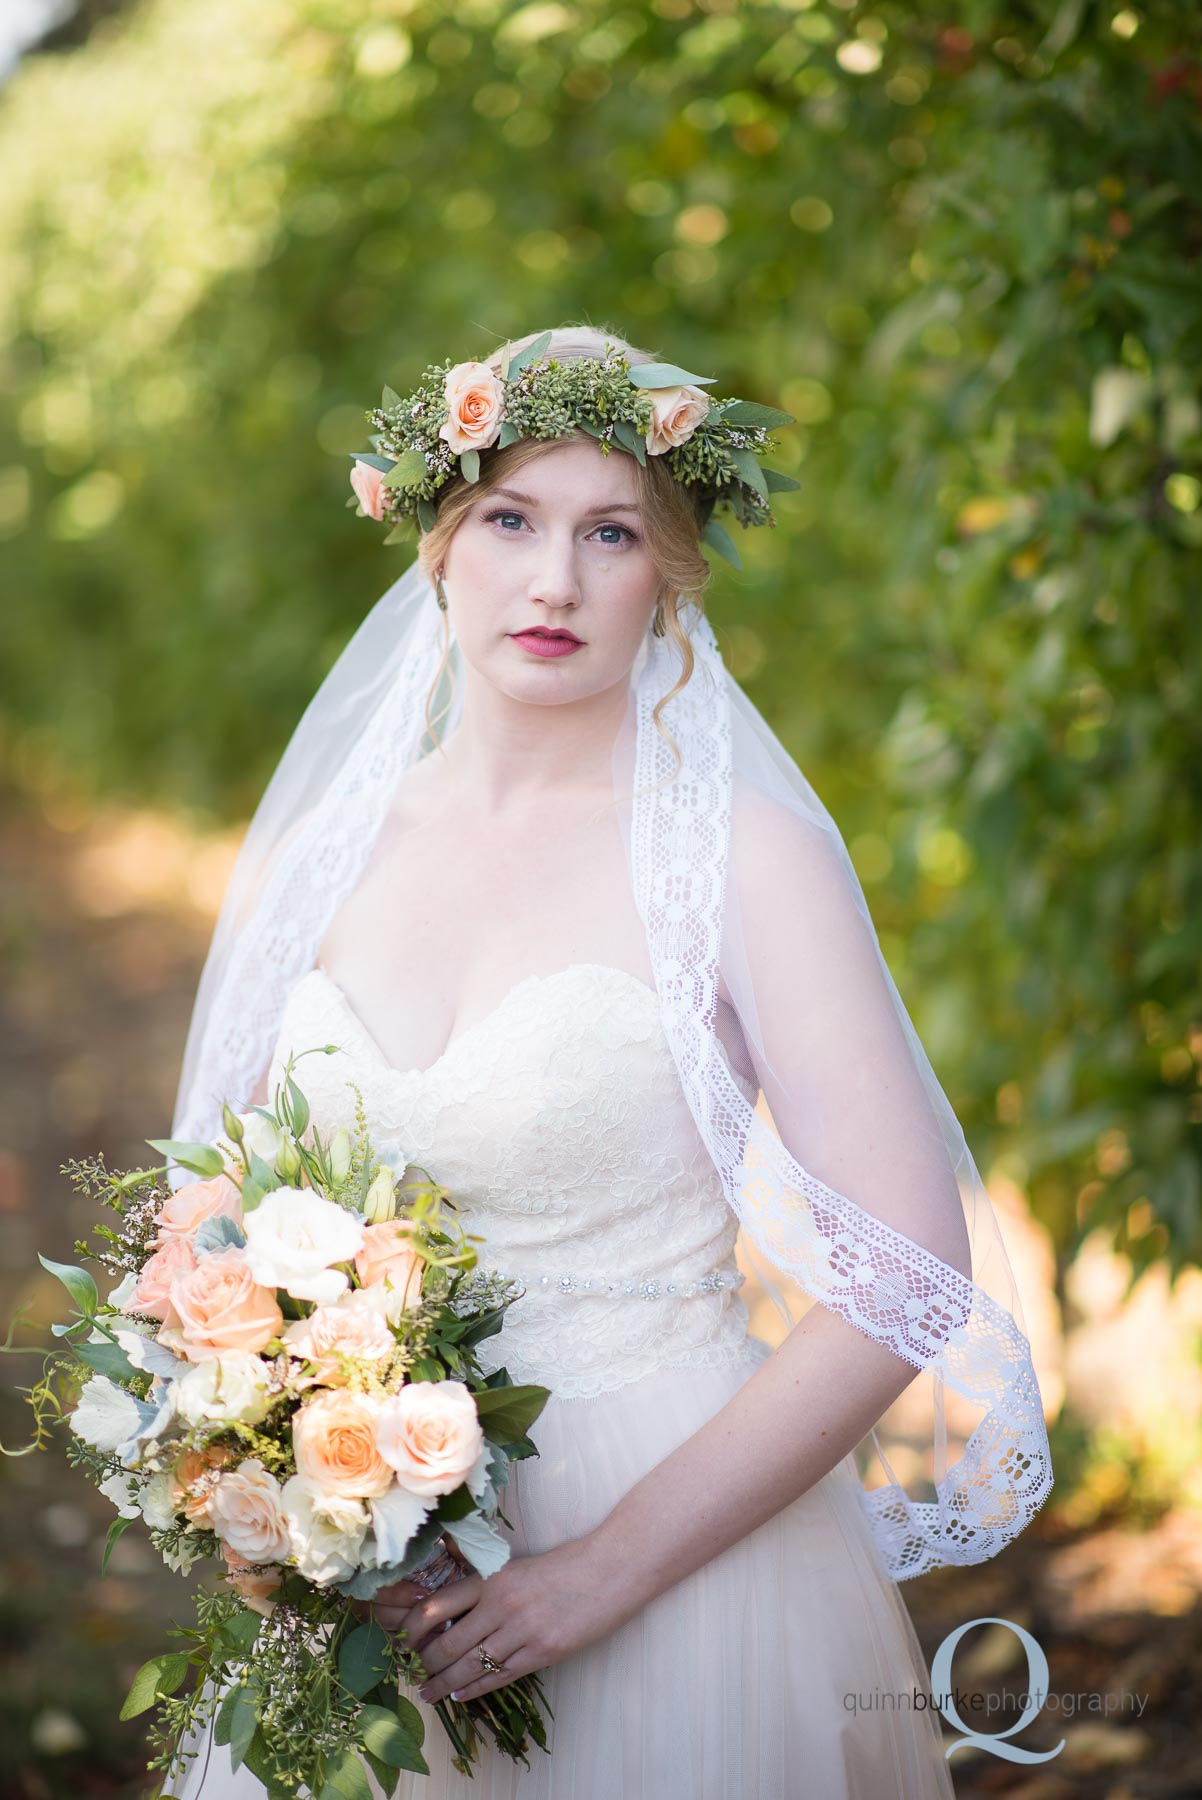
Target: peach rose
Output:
[(351, 1327), (219, 1307), (196, 1201), (388, 1255), (474, 399), (368, 484), (675, 416), (255, 1583), (430, 1433), (152, 1293), (194, 1479), (246, 1513), (334, 1437)]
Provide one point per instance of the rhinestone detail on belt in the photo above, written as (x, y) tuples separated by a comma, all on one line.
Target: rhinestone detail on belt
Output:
[(651, 1288)]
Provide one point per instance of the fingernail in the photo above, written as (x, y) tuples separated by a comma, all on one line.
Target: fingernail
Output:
[(456, 1693), (425, 1693)]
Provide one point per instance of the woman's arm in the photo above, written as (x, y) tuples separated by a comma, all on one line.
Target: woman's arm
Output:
[(848, 1102)]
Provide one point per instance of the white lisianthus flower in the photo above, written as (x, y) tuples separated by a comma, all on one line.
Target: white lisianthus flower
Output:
[(106, 1415), (326, 1530), (186, 1550), (228, 1389), (156, 1501), (292, 1238), (258, 1135), (124, 1492)]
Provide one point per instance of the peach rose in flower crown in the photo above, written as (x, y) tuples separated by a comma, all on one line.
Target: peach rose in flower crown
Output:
[(475, 399), (368, 484), (151, 1294), (388, 1256), (675, 416), (430, 1433), (196, 1201), (219, 1306), (334, 1437)]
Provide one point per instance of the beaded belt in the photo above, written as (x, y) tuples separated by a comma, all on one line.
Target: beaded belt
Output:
[(653, 1288)]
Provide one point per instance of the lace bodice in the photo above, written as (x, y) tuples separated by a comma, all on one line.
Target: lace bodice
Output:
[(559, 1126)]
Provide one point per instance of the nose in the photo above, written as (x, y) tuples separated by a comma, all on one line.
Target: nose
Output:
[(555, 581)]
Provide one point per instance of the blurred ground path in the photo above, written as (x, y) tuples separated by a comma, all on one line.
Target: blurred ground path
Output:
[(103, 926)]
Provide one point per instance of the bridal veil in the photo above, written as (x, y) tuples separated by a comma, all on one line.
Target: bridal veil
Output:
[(853, 1178)]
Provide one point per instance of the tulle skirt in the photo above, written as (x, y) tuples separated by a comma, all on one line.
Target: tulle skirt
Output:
[(784, 1668)]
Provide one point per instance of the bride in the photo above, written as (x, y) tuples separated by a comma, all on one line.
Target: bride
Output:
[(591, 951)]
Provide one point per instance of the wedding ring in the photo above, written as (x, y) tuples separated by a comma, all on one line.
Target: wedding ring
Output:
[(494, 1668)]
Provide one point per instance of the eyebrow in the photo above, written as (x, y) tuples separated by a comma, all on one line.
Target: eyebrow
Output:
[(529, 500)]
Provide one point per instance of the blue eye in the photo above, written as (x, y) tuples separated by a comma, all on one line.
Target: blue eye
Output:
[(611, 525)]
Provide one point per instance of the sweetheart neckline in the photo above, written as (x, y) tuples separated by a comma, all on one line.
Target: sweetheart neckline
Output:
[(477, 1025)]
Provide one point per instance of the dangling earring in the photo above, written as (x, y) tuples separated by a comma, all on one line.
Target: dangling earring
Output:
[(658, 626), (440, 591)]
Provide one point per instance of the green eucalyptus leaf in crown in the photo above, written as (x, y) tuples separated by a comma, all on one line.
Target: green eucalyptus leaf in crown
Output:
[(460, 411)]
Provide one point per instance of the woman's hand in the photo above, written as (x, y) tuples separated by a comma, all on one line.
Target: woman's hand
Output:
[(533, 1612), (391, 1606)]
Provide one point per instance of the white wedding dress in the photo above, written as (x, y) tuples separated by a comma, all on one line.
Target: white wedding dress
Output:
[(559, 1126)]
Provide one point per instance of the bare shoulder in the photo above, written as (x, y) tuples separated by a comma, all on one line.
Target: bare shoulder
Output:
[(785, 857)]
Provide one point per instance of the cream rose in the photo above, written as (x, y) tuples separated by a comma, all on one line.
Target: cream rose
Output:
[(351, 1328), (246, 1512), (475, 398), (294, 1236), (253, 1582), (151, 1296), (326, 1530), (430, 1433), (226, 1390), (219, 1307), (675, 415), (369, 490), (188, 1207), (334, 1437), (388, 1256)]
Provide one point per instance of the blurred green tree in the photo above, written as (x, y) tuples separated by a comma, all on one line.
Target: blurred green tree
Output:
[(959, 243)]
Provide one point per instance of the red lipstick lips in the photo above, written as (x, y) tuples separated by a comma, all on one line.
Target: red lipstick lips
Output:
[(541, 642)]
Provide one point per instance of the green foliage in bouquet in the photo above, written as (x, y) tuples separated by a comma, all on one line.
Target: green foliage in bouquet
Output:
[(246, 1389)]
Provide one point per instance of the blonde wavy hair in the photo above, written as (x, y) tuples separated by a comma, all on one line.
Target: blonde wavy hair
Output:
[(671, 513)]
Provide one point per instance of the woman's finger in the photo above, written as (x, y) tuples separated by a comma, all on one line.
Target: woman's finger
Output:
[(393, 1600), (467, 1678), (427, 1618)]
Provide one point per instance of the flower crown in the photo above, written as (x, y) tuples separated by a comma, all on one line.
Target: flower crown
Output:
[(651, 409)]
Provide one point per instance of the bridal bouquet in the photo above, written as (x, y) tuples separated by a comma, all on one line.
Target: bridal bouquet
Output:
[(284, 1378)]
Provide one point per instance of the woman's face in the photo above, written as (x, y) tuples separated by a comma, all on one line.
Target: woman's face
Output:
[(549, 583)]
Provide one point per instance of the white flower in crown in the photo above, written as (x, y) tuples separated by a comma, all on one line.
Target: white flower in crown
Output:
[(675, 415), (475, 401)]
